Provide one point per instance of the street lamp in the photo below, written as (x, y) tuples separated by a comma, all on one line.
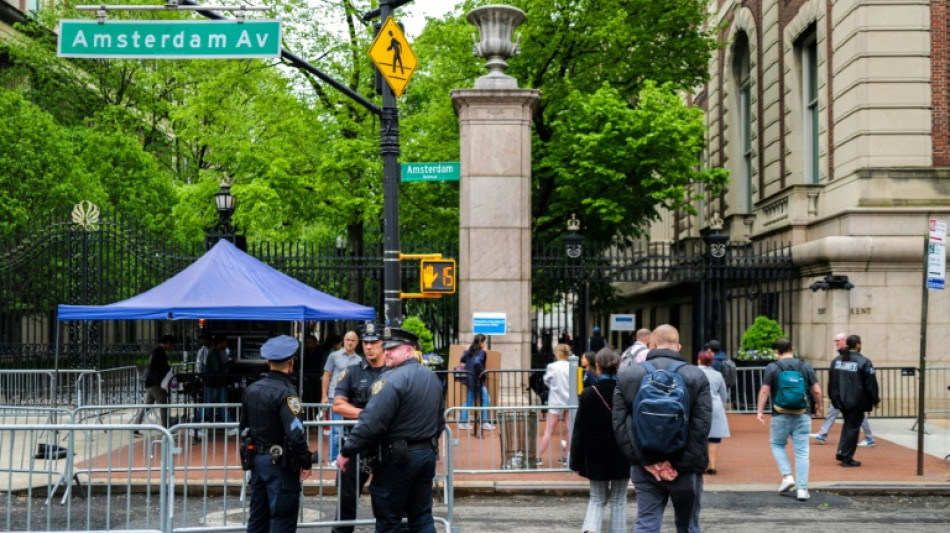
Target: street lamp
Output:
[(224, 202), (832, 282)]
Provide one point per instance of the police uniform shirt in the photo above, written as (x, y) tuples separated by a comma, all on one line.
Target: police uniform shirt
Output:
[(356, 382), (275, 394), (406, 404)]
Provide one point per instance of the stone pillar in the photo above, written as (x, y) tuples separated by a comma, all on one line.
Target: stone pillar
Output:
[(494, 274), (495, 214)]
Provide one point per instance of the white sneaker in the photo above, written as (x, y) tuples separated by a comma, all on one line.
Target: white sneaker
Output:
[(232, 432), (487, 427), (332, 464), (803, 495), (464, 426), (865, 443), (788, 483)]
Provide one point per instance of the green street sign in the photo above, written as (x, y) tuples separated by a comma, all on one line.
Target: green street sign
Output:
[(430, 172), (169, 39)]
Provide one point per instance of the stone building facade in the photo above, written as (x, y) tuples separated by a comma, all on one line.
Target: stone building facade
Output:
[(831, 117)]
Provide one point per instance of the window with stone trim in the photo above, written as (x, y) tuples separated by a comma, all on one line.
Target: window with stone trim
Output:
[(807, 49), (743, 84)]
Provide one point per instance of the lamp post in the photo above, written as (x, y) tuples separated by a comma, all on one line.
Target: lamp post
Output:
[(712, 287), (224, 202), (574, 249)]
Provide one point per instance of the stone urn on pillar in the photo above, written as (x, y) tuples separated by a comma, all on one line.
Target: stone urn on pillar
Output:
[(496, 25)]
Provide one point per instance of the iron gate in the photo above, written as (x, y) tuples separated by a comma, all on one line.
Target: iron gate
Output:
[(709, 289), (95, 259)]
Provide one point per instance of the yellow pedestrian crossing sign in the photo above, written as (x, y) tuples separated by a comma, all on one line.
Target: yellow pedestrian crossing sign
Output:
[(393, 56)]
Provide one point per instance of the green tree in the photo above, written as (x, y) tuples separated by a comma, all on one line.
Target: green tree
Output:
[(612, 142)]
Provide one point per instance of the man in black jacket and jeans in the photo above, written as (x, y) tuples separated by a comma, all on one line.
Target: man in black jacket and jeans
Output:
[(677, 476), (852, 387)]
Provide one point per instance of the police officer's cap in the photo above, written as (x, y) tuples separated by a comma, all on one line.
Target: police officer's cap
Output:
[(279, 348), (371, 332), (393, 337)]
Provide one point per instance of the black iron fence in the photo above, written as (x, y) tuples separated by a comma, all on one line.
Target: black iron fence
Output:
[(97, 260)]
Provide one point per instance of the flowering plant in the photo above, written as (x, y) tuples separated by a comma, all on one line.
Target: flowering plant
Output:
[(432, 361)]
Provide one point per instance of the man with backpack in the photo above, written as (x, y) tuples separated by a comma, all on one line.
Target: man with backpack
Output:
[(637, 352), (667, 452), (788, 382)]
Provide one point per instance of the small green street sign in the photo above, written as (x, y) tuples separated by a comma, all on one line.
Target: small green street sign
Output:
[(430, 172), (169, 39)]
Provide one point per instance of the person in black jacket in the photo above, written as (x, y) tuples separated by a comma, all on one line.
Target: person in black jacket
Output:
[(594, 450), (271, 419), (677, 476), (401, 423), (852, 387), (157, 368)]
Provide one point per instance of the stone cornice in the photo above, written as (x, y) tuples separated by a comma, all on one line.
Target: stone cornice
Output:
[(496, 97)]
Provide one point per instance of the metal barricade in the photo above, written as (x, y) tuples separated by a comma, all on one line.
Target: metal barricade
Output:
[(27, 387), (937, 403), (478, 452), (117, 478), (114, 386)]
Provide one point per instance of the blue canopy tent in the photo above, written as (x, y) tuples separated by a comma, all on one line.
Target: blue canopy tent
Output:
[(224, 283)]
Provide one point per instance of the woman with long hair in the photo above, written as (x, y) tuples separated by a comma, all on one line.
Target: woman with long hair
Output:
[(556, 378), (474, 360), (595, 453), (719, 429)]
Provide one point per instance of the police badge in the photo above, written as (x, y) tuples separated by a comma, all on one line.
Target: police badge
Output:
[(378, 386), (293, 403)]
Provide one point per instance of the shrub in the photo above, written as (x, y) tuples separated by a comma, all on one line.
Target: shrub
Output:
[(758, 342)]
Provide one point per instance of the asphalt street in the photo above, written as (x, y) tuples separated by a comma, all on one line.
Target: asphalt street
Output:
[(727, 511), (735, 512)]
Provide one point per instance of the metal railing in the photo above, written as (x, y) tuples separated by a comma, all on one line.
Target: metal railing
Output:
[(897, 387)]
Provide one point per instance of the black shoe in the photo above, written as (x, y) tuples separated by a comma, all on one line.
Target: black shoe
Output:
[(839, 457), (850, 462), (711, 471)]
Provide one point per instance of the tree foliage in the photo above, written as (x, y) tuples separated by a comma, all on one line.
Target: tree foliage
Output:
[(612, 141)]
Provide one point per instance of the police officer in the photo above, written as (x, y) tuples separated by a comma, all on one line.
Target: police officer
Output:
[(351, 396), (279, 458), (401, 424)]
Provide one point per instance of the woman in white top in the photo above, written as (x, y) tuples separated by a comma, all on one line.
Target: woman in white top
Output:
[(719, 429), (556, 378)]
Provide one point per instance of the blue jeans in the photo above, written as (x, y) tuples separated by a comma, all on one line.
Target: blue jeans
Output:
[(334, 436), (275, 498), (470, 401), (404, 490), (685, 491), (798, 427), (614, 491)]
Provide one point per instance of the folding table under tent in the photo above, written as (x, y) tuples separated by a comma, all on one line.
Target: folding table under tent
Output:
[(225, 283)]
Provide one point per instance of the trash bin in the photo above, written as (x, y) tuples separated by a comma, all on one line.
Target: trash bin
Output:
[(518, 431)]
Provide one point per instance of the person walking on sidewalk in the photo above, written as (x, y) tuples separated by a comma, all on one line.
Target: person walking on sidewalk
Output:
[(822, 436), (157, 368), (676, 476), (557, 378), (852, 387), (779, 383), (595, 454), (720, 395), (474, 360)]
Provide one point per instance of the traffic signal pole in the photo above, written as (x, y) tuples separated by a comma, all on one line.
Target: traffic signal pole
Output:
[(389, 149)]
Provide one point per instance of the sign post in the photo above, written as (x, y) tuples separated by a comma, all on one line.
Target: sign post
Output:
[(935, 273)]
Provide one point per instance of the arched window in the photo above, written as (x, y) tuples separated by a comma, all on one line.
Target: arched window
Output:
[(743, 81)]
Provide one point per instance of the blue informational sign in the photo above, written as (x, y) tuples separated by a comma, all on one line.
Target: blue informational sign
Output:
[(489, 323)]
